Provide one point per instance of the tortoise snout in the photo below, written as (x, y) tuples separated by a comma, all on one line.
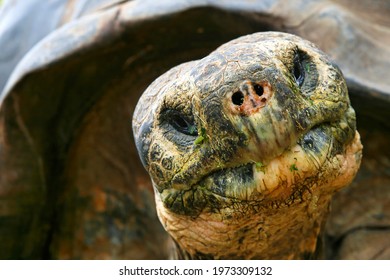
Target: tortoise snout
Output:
[(250, 97)]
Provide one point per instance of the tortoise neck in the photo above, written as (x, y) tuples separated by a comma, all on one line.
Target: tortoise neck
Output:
[(178, 253), (288, 232)]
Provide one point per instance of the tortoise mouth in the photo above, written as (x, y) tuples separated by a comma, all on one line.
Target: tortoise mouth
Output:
[(283, 178), (251, 181), (234, 182)]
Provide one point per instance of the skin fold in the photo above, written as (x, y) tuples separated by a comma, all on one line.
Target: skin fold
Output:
[(246, 147)]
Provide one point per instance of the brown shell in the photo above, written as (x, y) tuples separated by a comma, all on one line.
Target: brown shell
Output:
[(71, 183)]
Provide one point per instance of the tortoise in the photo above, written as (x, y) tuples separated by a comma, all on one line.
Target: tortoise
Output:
[(246, 146), (72, 185)]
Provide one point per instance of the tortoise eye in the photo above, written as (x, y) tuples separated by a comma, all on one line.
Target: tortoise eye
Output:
[(181, 123), (298, 70)]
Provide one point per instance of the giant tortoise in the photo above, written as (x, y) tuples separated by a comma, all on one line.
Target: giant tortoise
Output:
[(72, 185)]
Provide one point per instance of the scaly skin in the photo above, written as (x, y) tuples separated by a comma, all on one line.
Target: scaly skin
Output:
[(246, 147)]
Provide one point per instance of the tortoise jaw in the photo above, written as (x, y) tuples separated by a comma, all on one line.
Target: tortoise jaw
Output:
[(259, 182)]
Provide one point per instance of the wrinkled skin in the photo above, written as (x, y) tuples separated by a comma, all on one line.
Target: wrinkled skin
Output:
[(246, 147)]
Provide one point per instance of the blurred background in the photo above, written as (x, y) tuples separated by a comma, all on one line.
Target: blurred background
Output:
[(71, 72)]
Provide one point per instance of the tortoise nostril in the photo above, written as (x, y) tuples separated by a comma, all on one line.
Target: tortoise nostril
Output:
[(258, 89), (238, 98)]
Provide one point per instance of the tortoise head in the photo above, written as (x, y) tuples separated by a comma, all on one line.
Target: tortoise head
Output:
[(246, 146)]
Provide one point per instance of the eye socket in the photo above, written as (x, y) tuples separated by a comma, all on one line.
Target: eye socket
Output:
[(181, 123), (298, 70)]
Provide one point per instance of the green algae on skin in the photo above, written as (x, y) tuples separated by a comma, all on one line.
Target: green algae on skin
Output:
[(201, 138), (293, 167), (260, 166)]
